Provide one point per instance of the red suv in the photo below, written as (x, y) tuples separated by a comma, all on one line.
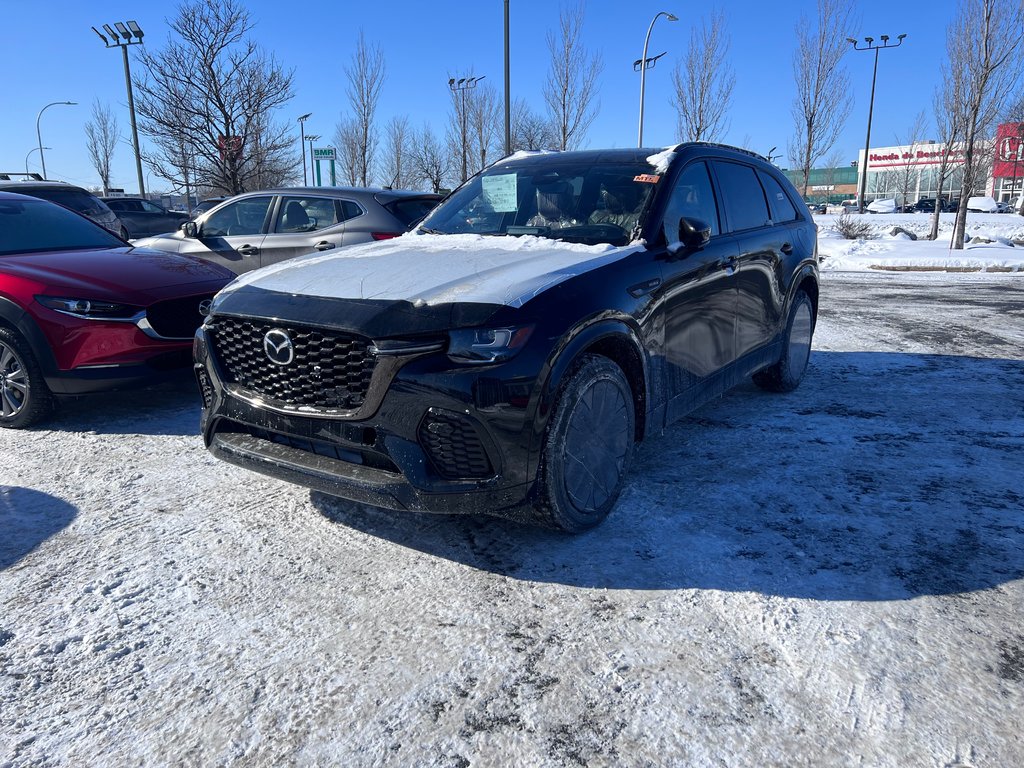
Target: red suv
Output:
[(81, 310)]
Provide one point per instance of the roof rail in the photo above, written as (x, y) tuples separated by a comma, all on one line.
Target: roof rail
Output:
[(750, 152), (6, 176)]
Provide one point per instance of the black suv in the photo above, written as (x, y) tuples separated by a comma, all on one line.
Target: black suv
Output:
[(506, 356)]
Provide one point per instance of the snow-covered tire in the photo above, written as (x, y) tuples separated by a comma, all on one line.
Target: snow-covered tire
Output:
[(786, 375), (588, 446), (24, 397)]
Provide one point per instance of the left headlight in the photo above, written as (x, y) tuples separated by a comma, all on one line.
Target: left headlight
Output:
[(487, 345), (88, 309)]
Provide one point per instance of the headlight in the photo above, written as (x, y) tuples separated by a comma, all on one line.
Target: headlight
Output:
[(487, 345), (88, 309)]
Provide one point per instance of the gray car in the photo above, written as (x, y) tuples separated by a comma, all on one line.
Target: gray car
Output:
[(255, 229), (142, 217)]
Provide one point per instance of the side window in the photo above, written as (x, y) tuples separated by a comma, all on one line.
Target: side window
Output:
[(149, 207), (692, 197), (782, 207), (305, 214), (349, 209), (243, 217), (742, 196)]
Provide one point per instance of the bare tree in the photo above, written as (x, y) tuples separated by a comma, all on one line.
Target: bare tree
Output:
[(101, 139), (948, 129), (529, 129), (571, 90), (348, 141), (823, 100), (484, 123), (431, 161), (703, 82), (398, 154), (906, 175), (213, 91), (985, 64), (365, 80)]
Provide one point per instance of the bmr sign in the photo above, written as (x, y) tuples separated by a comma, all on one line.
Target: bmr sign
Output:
[(324, 153)]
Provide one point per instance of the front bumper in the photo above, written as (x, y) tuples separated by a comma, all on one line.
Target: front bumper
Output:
[(433, 442)]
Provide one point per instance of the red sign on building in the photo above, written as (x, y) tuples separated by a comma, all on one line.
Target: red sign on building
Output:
[(1009, 159)]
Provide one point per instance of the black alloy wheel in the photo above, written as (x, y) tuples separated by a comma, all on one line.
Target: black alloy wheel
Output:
[(24, 396)]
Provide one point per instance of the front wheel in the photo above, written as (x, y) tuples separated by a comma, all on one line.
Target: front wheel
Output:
[(588, 446), (786, 375), (24, 396)]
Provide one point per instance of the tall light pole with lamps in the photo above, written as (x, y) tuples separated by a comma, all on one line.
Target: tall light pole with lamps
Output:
[(311, 138), (870, 46), (461, 86), (39, 136), (643, 63), (122, 38), (302, 144)]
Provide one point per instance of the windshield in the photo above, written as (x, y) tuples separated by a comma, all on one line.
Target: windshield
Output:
[(73, 198), (29, 225), (550, 197)]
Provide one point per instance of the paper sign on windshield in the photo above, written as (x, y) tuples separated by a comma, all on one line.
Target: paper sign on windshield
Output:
[(500, 192)]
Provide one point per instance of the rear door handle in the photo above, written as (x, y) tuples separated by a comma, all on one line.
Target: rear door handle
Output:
[(248, 250), (323, 245), (787, 248)]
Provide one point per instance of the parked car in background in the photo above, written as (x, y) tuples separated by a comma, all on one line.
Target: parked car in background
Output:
[(927, 205), (982, 204), (506, 356), (885, 205), (82, 311), (207, 204), (70, 196), (259, 228), (141, 217)]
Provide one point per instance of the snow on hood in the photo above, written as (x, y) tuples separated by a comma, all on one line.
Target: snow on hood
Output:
[(436, 269)]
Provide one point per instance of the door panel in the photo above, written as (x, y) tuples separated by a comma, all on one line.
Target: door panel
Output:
[(233, 235)]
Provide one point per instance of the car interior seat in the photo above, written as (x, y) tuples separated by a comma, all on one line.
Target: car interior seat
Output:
[(295, 218)]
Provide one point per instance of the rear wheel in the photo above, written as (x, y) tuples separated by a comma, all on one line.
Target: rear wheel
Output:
[(786, 375), (588, 446), (24, 396)]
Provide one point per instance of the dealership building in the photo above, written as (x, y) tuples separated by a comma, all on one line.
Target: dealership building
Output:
[(909, 173)]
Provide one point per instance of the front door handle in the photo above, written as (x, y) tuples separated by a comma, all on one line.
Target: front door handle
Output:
[(323, 245), (248, 250)]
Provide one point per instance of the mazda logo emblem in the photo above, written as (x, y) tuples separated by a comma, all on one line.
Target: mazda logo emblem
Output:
[(205, 306), (279, 347)]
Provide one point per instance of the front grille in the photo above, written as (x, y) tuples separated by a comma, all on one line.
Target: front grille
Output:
[(330, 370), (454, 446), (177, 318)]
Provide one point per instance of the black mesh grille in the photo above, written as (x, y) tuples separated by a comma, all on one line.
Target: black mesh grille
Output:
[(454, 447), (330, 370), (177, 318)]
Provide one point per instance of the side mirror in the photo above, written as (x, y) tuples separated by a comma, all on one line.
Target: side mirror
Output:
[(190, 229), (693, 235)]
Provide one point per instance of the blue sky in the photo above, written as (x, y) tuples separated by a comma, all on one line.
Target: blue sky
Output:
[(53, 55)]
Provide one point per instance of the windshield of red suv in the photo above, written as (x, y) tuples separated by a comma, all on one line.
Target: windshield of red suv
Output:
[(31, 226), (595, 203)]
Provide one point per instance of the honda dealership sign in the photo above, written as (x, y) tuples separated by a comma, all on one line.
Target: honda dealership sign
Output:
[(1009, 159)]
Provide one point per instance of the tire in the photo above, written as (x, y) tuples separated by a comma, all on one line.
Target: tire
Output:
[(125, 234), (24, 396), (786, 375), (587, 448)]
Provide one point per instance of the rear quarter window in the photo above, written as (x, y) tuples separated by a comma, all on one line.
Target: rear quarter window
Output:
[(782, 207)]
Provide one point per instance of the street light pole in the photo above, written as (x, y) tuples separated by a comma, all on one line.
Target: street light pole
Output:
[(36, 149), (644, 64), (39, 136), (461, 86), (508, 111), (125, 33), (311, 138), (302, 145), (863, 186)]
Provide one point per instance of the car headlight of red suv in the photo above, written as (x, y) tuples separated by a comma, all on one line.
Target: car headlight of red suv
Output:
[(89, 309)]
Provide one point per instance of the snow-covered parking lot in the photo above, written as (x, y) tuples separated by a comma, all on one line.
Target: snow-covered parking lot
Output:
[(829, 577)]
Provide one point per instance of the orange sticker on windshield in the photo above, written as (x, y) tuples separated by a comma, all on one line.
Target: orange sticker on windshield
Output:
[(647, 178)]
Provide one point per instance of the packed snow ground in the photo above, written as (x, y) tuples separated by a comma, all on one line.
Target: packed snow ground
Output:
[(829, 577)]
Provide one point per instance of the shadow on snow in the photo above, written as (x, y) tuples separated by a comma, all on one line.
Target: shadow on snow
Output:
[(885, 476), (27, 519)]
